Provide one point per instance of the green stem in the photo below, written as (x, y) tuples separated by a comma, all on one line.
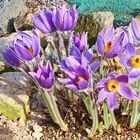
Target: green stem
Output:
[(134, 115), (67, 51), (91, 108), (126, 108), (52, 106), (59, 54), (106, 115), (114, 122)]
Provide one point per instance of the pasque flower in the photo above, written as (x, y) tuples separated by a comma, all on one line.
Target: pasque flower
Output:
[(78, 74), (80, 42), (88, 56), (44, 22), (44, 75), (136, 29), (107, 44), (130, 58), (27, 47), (11, 57), (65, 18), (111, 86)]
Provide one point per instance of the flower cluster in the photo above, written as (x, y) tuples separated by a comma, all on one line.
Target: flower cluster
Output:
[(82, 67)]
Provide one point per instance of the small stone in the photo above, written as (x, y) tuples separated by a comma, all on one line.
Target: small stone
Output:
[(37, 135), (37, 128), (21, 122)]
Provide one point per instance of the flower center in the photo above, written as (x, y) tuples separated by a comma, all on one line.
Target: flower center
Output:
[(113, 86), (80, 78), (135, 61), (108, 46), (31, 50)]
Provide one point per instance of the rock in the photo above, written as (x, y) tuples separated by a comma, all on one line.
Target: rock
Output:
[(37, 135), (93, 23), (23, 22), (14, 95), (10, 9), (37, 128), (6, 134)]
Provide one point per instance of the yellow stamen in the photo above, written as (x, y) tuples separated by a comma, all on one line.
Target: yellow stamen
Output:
[(135, 61), (80, 78), (31, 50), (108, 46), (113, 86)]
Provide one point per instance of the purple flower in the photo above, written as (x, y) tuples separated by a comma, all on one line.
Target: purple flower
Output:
[(130, 58), (78, 74), (44, 75), (87, 56), (136, 29), (65, 19), (107, 44), (80, 42), (44, 22), (113, 85), (11, 57), (27, 47)]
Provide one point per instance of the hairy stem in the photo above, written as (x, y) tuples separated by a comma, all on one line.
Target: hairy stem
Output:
[(52, 106)]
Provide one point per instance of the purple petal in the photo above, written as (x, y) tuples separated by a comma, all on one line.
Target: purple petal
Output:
[(122, 79), (136, 28), (109, 34), (102, 95), (89, 55), (74, 14), (75, 52), (35, 43), (100, 44), (67, 21), (133, 75), (95, 65), (23, 52), (58, 20), (83, 84), (11, 58), (128, 92), (101, 83), (129, 50), (112, 75), (111, 100), (125, 61), (72, 86), (39, 23), (65, 81)]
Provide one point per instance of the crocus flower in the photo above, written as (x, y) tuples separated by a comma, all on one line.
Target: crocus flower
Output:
[(27, 47), (64, 18), (44, 75), (11, 57), (107, 44), (80, 42), (113, 85), (88, 56), (44, 22), (78, 75), (130, 58)]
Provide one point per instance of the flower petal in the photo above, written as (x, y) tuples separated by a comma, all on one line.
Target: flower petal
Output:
[(23, 52), (83, 84), (111, 100), (72, 86), (136, 28), (122, 79), (35, 43), (95, 65), (133, 75), (101, 83), (128, 92), (100, 44), (102, 95)]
